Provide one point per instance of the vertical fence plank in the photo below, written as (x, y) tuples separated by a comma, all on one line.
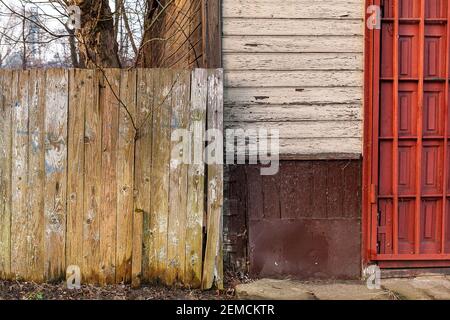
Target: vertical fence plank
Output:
[(143, 162), (36, 178), (92, 183), (176, 236), (136, 266), (196, 179), (108, 213), (56, 112), (6, 83), (20, 178), (160, 169), (125, 176), (75, 175), (213, 264)]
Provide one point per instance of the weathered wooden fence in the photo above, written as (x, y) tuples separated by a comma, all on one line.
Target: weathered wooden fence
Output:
[(87, 177)]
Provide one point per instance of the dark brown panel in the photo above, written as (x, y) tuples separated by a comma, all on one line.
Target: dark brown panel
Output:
[(271, 197), (296, 183), (254, 186), (335, 189), (319, 189), (317, 230), (305, 248), (352, 190)]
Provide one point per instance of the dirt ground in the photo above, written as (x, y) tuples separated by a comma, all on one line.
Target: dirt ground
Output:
[(20, 290), (15, 290)]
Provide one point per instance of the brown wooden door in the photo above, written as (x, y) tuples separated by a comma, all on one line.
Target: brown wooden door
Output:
[(412, 124)]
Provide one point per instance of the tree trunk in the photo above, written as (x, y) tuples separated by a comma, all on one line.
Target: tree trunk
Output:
[(97, 43), (172, 35)]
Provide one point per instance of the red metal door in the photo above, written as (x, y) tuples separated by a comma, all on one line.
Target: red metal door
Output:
[(412, 226)]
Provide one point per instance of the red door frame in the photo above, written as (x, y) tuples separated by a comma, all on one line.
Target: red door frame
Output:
[(370, 162), (367, 146), (370, 158)]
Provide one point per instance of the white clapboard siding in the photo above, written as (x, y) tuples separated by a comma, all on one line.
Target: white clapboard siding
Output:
[(348, 95), (307, 78), (314, 148), (291, 27), (292, 113), (321, 148), (292, 44), (303, 9), (304, 129), (296, 66), (292, 61)]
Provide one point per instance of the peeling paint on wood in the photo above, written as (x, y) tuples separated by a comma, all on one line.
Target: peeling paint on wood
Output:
[(213, 264), (196, 178), (293, 61), (178, 185), (338, 9), (296, 53)]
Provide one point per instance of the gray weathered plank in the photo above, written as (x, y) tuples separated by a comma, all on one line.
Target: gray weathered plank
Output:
[(178, 184), (6, 107), (213, 263), (36, 177), (19, 217), (160, 169), (196, 179)]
